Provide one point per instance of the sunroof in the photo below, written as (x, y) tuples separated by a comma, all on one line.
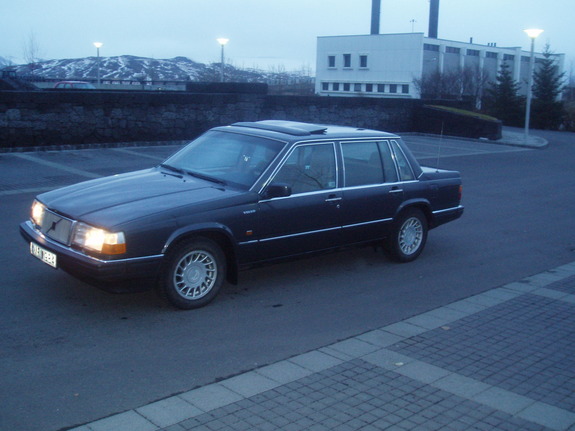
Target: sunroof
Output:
[(288, 127)]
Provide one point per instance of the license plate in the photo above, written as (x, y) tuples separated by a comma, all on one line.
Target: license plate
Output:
[(44, 255)]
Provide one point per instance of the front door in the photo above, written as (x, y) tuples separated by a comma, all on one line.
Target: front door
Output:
[(308, 219)]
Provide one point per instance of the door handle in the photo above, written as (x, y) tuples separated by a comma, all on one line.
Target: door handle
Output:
[(396, 190), (333, 198)]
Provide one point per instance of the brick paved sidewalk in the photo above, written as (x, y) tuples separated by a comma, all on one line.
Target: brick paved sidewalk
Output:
[(501, 360)]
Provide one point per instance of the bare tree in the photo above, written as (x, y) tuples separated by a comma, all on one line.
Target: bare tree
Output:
[(31, 49), (438, 85), (474, 80)]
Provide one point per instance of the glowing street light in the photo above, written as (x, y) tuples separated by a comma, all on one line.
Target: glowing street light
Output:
[(532, 33), (98, 45), (222, 41)]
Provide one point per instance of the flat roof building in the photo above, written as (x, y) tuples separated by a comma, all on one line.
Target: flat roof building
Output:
[(387, 65)]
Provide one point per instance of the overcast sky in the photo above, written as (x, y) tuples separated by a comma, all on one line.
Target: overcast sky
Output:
[(263, 33)]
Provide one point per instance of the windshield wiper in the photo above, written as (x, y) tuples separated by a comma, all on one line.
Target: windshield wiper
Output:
[(173, 169), (206, 177)]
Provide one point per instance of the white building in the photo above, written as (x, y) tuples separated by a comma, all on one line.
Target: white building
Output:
[(385, 65)]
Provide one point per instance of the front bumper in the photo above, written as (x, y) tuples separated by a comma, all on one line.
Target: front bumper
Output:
[(90, 268)]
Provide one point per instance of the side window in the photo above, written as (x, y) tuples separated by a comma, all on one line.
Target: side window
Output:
[(347, 60), (309, 168), (362, 163), (389, 170), (402, 163), (331, 61)]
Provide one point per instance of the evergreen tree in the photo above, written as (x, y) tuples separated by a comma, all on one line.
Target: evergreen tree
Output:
[(502, 99), (548, 110)]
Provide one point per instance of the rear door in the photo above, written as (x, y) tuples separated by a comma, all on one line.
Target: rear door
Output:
[(371, 191)]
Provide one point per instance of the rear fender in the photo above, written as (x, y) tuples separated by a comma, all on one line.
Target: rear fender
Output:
[(422, 204)]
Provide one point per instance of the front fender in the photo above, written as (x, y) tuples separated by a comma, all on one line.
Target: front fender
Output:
[(199, 229), (217, 232)]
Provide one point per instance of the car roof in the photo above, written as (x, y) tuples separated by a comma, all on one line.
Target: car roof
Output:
[(298, 131)]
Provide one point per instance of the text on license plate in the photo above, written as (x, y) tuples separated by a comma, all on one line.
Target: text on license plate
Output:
[(44, 255)]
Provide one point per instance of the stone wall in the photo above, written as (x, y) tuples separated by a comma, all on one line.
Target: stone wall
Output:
[(40, 118), (47, 118)]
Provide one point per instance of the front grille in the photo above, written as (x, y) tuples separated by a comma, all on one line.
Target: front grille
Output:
[(57, 227)]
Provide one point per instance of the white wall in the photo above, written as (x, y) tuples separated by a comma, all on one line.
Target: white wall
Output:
[(391, 59)]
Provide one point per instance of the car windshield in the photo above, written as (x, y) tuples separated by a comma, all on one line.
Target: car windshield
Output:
[(225, 158)]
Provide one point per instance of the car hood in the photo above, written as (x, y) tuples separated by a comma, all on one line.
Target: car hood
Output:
[(118, 199)]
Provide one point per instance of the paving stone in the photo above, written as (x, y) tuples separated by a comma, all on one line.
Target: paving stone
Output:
[(404, 329), (249, 384), (211, 397), (380, 338), (169, 411), (503, 345), (128, 421), (316, 361), (549, 416)]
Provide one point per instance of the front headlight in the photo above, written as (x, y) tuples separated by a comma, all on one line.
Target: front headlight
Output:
[(99, 240), (37, 212)]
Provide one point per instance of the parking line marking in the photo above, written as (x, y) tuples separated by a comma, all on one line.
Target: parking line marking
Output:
[(135, 153), (30, 190), (58, 166)]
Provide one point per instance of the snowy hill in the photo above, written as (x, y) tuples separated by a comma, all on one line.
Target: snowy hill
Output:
[(127, 67)]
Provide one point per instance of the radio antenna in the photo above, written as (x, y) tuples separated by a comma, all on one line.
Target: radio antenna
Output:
[(439, 146)]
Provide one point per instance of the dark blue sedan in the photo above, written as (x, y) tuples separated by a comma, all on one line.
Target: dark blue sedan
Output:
[(241, 195)]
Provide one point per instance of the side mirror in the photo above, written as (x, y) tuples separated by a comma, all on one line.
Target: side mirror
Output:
[(277, 190)]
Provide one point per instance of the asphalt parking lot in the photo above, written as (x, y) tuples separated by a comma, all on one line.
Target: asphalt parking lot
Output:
[(56, 168), (317, 335)]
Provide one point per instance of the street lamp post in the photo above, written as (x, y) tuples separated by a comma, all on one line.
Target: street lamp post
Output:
[(222, 41), (98, 45), (532, 33)]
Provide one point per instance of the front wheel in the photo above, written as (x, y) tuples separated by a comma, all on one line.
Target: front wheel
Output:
[(408, 236), (194, 273)]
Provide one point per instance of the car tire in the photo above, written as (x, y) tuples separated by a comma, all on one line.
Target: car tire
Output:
[(408, 236), (194, 273)]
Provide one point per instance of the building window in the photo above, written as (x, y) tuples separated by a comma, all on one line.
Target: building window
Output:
[(363, 61), (405, 88), (393, 88), (369, 88), (430, 47), (346, 86), (508, 57), (335, 86), (490, 54), (346, 60), (525, 59), (356, 87), (325, 86), (331, 61), (381, 88), (452, 50), (473, 52)]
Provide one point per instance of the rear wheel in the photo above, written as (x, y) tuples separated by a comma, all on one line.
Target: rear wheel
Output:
[(194, 273), (408, 237)]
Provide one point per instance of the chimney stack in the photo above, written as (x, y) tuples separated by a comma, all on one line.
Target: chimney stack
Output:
[(433, 18), (375, 13)]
